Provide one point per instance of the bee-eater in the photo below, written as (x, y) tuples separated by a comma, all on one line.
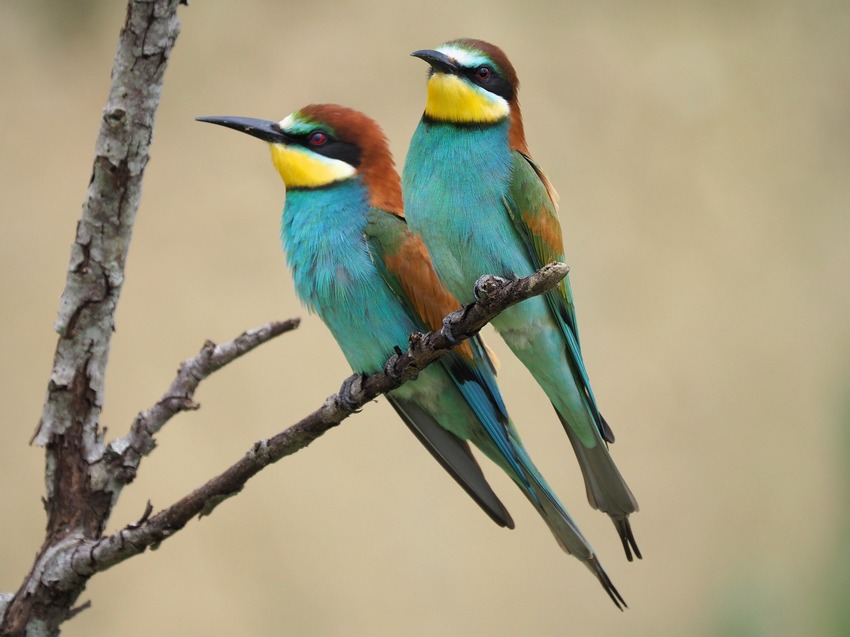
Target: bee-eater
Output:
[(481, 205), (357, 265)]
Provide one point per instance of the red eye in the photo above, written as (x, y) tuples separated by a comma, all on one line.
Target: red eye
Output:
[(483, 72), (318, 139)]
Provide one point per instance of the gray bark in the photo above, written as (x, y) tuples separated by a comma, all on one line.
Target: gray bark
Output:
[(79, 496)]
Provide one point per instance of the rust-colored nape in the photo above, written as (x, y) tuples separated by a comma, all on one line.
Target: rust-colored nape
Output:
[(516, 136), (376, 160)]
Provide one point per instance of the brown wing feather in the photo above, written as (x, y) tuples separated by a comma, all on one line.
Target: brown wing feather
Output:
[(412, 265)]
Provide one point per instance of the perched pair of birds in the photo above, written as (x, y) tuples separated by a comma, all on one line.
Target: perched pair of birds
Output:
[(378, 258)]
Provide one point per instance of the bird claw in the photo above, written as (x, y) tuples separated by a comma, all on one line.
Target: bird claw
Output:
[(485, 285), (448, 331), (391, 368), (345, 397)]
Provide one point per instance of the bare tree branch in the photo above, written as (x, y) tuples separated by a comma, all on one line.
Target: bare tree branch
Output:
[(495, 295), (78, 502), (126, 453)]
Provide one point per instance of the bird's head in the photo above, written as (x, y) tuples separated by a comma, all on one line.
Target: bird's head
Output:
[(472, 82), (322, 144)]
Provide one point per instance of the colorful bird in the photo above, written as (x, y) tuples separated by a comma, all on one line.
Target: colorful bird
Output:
[(481, 205), (357, 265)]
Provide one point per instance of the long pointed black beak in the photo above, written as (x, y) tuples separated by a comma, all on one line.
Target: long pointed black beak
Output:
[(260, 128), (440, 62)]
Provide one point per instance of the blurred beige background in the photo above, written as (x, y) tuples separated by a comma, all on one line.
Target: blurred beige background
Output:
[(702, 153)]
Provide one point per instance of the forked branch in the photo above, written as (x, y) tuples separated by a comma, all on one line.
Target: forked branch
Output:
[(495, 295)]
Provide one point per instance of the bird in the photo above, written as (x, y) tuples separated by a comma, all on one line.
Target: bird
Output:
[(358, 266), (482, 205)]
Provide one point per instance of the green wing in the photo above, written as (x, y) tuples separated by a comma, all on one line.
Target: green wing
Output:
[(530, 204)]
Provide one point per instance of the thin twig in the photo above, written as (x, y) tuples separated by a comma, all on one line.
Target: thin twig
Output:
[(126, 452)]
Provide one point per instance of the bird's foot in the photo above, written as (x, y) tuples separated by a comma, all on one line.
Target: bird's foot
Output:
[(448, 329), (345, 396), (486, 284), (391, 368), (451, 320)]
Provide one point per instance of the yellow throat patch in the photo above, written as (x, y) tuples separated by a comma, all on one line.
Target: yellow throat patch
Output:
[(300, 168), (452, 99)]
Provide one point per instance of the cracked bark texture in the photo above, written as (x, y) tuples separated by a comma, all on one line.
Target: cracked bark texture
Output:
[(79, 494)]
